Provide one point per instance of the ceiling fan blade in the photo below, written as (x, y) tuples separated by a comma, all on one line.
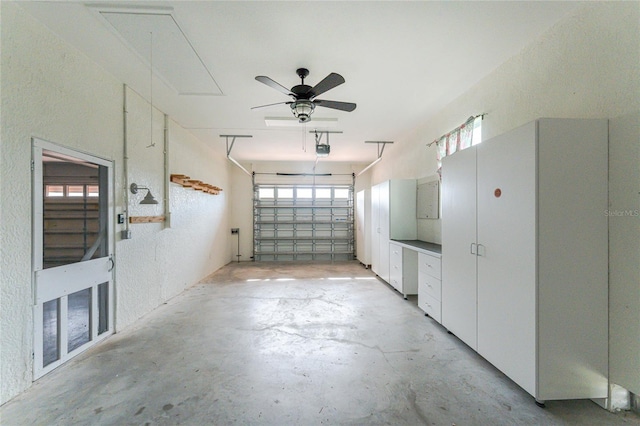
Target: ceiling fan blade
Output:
[(268, 105), (329, 82), (342, 106), (279, 87)]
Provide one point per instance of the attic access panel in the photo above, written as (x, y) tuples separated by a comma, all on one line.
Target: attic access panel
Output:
[(155, 36)]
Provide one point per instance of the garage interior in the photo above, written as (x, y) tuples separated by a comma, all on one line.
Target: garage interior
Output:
[(228, 212)]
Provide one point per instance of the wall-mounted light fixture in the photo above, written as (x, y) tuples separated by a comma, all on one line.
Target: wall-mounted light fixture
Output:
[(148, 199)]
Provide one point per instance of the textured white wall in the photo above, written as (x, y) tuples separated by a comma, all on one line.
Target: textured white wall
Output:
[(585, 66), (51, 91), (241, 200), (162, 261)]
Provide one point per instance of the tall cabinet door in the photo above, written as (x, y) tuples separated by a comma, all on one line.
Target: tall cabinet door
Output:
[(459, 287), (363, 226), (506, 170), (383, 213), (375, 229)]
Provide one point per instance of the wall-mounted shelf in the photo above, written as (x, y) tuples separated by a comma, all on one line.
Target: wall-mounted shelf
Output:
[(195, 184), (146, 219)]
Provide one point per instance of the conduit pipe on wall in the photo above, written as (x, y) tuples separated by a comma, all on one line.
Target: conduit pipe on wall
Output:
[(125, 163), (167, 211)]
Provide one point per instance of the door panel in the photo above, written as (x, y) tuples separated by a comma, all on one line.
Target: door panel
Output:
[(459, 297), (375, 229), (506, 261), (72, 253), (383, 226)]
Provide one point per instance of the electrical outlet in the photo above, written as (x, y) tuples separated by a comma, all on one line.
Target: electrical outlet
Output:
[(235, 230)]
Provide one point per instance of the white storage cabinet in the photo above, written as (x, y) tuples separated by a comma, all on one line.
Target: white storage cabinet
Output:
[(524, 255), (393, 216)]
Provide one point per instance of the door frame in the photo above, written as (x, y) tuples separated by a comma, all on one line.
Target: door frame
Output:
[(103, 269)]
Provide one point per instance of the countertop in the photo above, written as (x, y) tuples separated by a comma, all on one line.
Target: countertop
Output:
[(422, 245)]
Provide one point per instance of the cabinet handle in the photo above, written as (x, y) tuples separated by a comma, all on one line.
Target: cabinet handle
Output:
[(484, 251), (473, 249)]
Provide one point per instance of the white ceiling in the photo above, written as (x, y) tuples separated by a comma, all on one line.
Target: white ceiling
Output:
[(402, 62)]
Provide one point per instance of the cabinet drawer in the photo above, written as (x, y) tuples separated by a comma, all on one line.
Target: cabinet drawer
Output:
[(431, 284), (395, 266), (395, 253), (396, 283), (429, 265), (429, 304)]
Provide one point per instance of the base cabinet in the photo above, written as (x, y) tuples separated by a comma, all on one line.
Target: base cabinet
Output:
[(524, 262), (429, 286), (403, 265)]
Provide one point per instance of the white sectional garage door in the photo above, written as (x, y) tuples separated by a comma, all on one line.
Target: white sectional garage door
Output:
[(303, 222)]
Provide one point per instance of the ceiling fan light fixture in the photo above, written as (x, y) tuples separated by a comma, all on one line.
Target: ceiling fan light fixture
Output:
[(302, 110)]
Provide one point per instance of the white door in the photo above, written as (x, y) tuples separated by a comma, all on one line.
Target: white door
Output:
[(363, 225), (375, 229), (459, 246), (506, 254), (384, 231), (72, 253)]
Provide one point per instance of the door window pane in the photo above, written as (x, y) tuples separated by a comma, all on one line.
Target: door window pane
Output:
[(50, 352), (54, 191), (323, 192), (78, 318), (265, 193), (93, 190), (341, 193), (103, 307), (285, 192), (304, 193), (75, 190), (73, 223)]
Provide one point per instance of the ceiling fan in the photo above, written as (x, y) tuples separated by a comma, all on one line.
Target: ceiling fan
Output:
[(304, 96)]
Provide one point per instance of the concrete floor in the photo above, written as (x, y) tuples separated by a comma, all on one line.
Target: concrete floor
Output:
[(288, 344)]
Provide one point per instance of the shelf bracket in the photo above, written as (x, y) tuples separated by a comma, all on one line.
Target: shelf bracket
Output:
[(230, 147), (381, 145)]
